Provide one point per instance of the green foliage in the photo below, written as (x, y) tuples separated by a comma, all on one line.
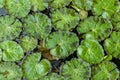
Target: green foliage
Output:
[(106, 8), (112, 44), (18, 8), (10, 71), (34, 68), (28, 43), (37, 25), (62, 43), (76, 69), (95, 28), (64, 19), (90, 51), (10, 28), (105, 71), (2, 2)]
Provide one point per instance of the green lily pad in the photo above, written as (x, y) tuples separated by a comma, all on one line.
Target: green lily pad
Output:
[(39, 5), (76, 69), (112, 44), (10, 28), (11, 51), (90, 51), (106, 8), (59, 3), (95, 28), (2, 2), (34, 68), (105, 71), (10, 71), (28, 43), (37, 25), (62, 43), (64, 19), (53, 76), (18, 8)]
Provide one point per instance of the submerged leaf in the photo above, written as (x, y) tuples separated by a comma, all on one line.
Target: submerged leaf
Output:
[(10, 71), (91, 51), (37, 25), (76, 69), (11, 51), (34, 68), (10, 28), (62, 43)]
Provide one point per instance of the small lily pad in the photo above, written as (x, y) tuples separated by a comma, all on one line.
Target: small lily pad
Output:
[(18, 8), (62, 43), (90, 51), (10, 71), (64, 19), (112, 44), (76, 69), (37, 25), (105, 71), (11, 51), (34, 68), (10, 28)]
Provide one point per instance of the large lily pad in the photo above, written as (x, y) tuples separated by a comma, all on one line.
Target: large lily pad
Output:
[(10, 71), (11, 51), (105, 71), (90, 51), (95, 28), (2, 2), (62, 43), (76, 69), (112, 44), (10, 28), (34, 68), (28, 43), (59, 3), (64, 19), (106, 8), (18, 8), (37, 25)]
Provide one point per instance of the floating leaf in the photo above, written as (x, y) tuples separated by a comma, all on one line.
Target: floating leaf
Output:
[(112, 44), (91, 51), (37, 25), (64, 19), (62, 43), (95, 28), (76, 69), (10, 28), (105, 71), (10, 71), (34, 68), (28, 43), (106, 8), (2, 2), (11, 51), (18, 8)]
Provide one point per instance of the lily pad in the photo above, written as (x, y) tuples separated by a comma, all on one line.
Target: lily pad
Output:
[(62, 43), (105, 71), (59, 3), (64, 19), (2, 2), (10, 28), (34, 68), (112, 44), (18, 8), (37, 25), (95, 28), (10, 71), (11, 51), (90, 51), (76, 69), (28, 43), (105, 8)]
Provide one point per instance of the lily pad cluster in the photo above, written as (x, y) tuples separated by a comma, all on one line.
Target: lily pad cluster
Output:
[(59, 39)]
